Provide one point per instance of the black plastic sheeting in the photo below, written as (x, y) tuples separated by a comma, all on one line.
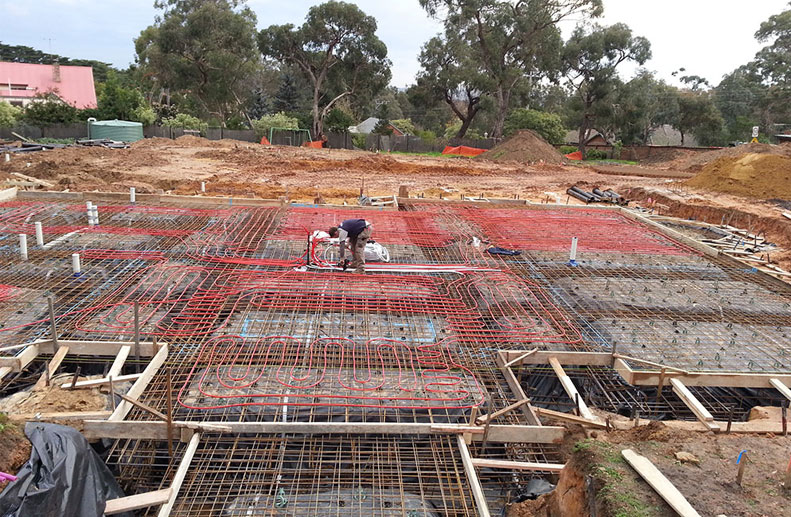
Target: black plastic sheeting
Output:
[(64, 477)]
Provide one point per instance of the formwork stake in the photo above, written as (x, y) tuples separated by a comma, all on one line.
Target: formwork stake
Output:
[(741, 462), (74, 379), (112, 391)]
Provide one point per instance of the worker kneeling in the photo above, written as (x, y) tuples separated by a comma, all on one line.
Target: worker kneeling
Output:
[(357, 232)]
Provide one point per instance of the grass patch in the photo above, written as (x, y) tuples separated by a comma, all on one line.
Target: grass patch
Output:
[(434, 154), (55, 141), (619, 488)]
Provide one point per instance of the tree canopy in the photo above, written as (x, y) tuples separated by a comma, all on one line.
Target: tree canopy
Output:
[(204, 48), (509, 41), (591, 58), (337, 51)]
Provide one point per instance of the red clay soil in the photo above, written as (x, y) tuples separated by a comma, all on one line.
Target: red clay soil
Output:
[(525, 146), (709, 485), (14, 450), (698, 161), (754, 175)]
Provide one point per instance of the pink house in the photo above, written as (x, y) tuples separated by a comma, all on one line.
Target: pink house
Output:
[(21, 82)]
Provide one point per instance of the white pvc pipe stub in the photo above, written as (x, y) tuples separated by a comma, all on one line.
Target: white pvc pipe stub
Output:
[(573, 255), (89, 209), (75, 264), (39, 234), (132, 195), (203, 186), (23, 246)]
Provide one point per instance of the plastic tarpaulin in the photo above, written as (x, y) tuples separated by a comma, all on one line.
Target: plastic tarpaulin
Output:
[(463, 150), (576, 156), (64, 477)]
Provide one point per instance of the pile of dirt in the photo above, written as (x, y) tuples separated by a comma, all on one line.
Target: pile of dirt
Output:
[(757, 175), (14, 448), (699, 161), (663, 157), (526, 146)]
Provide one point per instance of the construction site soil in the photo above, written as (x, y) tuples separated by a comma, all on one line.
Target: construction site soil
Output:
[(751, 174), (702, 466), (525, 147)]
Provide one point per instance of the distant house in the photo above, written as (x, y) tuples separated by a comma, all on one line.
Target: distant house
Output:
[(367, 127), (21, 82)]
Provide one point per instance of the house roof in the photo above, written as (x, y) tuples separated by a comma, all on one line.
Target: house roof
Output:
[(573, 137), (75, 86), (367, 126)]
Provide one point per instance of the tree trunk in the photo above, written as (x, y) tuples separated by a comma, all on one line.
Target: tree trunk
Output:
[(317, 121), (502, 99), (465, 125), (682, 137)]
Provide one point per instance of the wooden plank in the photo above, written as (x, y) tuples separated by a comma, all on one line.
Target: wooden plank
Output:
[(140, 385), (567, 358), (21, 360), (517, 465), (472, 477), (623, 369), (181, 473), (108, 348), (694, 404), (64, 415), (94, 383), (118, 364), (660, 483), (571, 390), (722, 380), (566, 417), (52, 367), (516, 388), (520, 358), (137, 501), (782, 388), (150, 430)]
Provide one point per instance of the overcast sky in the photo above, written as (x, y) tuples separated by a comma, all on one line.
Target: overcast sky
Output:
[(707, 37)]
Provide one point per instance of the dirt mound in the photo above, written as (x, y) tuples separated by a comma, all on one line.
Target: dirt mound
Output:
[(699, 161), (193, 141), (152, 143), (525, 146), (750, 175), (663, 157)]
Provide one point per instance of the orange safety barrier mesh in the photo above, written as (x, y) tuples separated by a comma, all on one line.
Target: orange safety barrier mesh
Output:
[(576, 156), (463, 150)]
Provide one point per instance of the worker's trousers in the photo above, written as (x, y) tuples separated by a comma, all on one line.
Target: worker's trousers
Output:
[(357, 245)]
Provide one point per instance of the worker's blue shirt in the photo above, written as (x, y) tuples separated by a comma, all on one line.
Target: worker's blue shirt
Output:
[(353, 227)]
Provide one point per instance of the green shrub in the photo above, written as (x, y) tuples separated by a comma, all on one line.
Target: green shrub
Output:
[(359, 141), (45, 111), (548, 125), (406, 125), (595, 154), (184, 121), (427, 136), (9, 115), (453, 129), (144, 114), (279, 120), (568, 149), (338, 121)]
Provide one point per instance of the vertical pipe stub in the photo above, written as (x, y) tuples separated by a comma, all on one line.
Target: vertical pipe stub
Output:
[(39, 234), (89, 209), (573, 255), (95, 212), (75, 264), (23, 246), (203, 186), (132, 198)]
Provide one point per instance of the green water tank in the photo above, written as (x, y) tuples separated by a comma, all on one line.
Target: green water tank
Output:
[(122, 130)]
